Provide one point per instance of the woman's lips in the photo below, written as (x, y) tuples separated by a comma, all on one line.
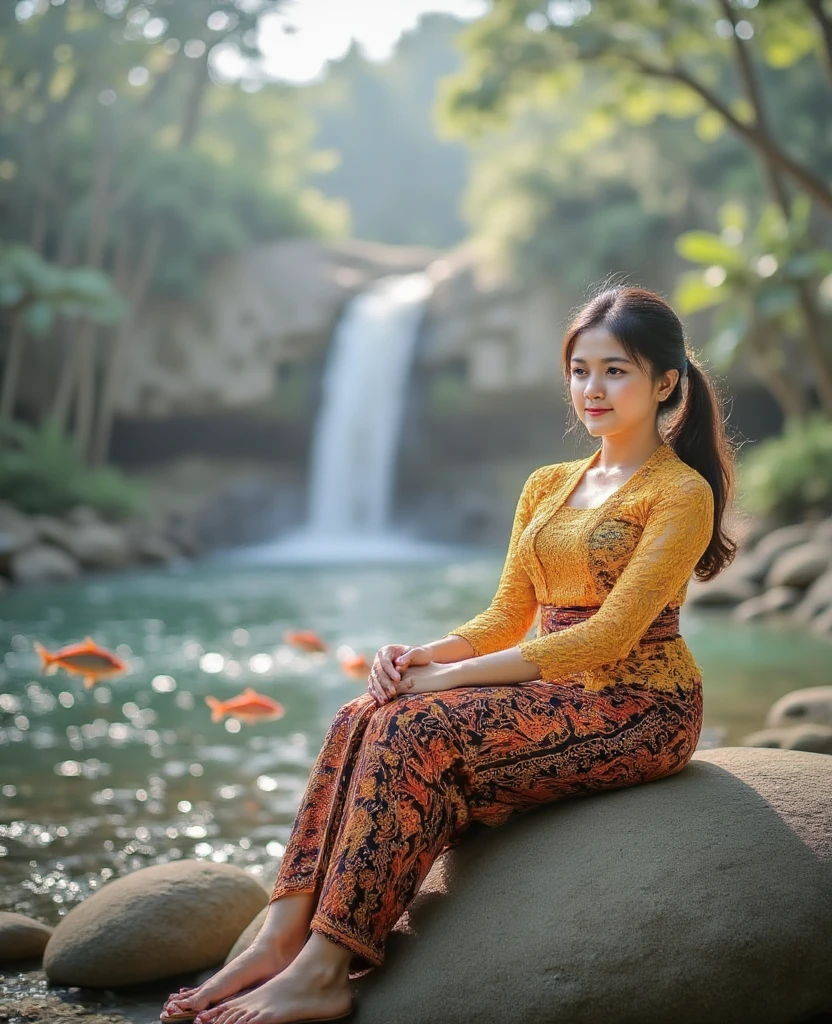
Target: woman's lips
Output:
[(596, 412)]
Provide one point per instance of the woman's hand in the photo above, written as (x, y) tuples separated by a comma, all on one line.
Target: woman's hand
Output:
[(389, 663), (426, 678)]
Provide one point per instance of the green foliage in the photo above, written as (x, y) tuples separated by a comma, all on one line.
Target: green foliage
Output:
[(791, 475), (752, 277), (38, 291), (40, 472)]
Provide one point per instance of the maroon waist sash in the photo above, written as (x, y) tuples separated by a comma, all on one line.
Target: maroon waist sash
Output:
[(556, 617)]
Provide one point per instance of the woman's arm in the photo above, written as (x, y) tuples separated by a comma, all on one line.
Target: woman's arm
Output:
[(673, 540)]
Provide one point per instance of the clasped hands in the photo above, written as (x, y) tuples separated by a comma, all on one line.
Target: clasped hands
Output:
[(399, 669)]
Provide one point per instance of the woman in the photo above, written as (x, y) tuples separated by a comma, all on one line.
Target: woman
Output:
[(482, 724)]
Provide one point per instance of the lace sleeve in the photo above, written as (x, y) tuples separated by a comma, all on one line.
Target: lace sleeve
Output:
[(511, 613), (677, 531)]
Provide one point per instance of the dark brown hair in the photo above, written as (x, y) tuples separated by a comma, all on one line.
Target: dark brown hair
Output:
[(690, 419)]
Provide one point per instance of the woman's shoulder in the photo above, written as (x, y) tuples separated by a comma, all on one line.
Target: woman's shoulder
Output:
[(675, 480), (544, 479)]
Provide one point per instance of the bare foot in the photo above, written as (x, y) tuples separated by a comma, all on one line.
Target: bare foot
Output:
[(306, 990), (262, 960)]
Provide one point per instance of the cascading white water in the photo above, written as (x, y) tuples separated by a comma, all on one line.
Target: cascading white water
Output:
[(357, 433)]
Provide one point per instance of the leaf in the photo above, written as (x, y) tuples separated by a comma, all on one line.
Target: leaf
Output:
[(693, 293), (707, 249)]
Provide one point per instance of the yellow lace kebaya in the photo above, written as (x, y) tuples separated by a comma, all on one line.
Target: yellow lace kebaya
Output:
[(631, 558)]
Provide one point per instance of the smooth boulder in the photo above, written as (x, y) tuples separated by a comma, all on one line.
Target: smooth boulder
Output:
[(155, 922), (705, 896), (21, 937), (817, 738), (812, 704)]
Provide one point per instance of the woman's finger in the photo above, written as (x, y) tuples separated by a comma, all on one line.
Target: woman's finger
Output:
[(378, 690), (389, 667)]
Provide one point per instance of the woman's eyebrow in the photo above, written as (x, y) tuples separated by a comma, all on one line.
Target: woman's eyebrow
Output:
[(609, 359)]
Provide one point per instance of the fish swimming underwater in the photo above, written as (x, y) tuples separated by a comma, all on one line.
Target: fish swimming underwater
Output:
[(305, 639), (86, 659), (249, 706), (357, 666)]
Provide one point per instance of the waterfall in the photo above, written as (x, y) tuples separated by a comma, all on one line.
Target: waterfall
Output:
[(357, 434), (356, 441)]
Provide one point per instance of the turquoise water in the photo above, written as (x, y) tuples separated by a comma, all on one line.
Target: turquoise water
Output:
[(97, 783)]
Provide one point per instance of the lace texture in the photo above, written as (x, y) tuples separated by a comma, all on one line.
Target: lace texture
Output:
[(632, 556)]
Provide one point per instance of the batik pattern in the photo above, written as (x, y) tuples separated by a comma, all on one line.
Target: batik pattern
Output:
[(396, 785)]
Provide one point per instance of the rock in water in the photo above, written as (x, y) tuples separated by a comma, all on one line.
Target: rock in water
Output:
[(21, 937), (705, 896), (158, 921)]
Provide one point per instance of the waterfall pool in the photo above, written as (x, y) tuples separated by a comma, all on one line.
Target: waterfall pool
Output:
[(96, 783)]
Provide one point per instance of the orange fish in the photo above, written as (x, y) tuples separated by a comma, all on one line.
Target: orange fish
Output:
[(357, 666), (87, 659), (249, 706), (305, 639)]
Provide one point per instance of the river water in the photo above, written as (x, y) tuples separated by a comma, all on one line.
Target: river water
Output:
[(97, 783)]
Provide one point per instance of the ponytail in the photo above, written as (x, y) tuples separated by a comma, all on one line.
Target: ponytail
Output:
[(697, 435)]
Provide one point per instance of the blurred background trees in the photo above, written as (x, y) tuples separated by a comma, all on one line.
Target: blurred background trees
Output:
[(685, 147)]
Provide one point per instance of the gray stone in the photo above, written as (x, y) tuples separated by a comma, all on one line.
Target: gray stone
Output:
[(777, 599), (52, 530), (814, 738), (158, 921), (812, 704), (706, 896), (16, 527), (816, 599), (823, 531), (21, 937), (800, 566), (83, 515), (822, 624), (99, 546), (730, 587), (775, 543), (43, 564)]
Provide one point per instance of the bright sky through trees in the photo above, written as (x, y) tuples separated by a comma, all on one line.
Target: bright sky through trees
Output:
[(322, 30)]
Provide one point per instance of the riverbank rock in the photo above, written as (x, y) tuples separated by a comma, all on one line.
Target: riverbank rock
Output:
[(815, 738), (158, 921), (21, 937), (705, 896), (732, 586), (800, 707), (777, 599), (42, 563), (800, 566)]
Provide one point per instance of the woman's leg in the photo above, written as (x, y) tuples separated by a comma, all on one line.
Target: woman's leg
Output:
[(293, 898), (431, 764), (402, 804)]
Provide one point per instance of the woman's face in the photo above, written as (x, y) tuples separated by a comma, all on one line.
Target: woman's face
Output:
[(602, 376)]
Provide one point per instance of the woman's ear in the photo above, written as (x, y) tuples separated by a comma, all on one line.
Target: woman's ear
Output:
[(668, 383)]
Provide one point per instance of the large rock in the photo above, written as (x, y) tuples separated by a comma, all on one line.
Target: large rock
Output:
[(816, 599), (816, 738), (16, 527), (800, 566), (706, 896), (158, 921), (21, 937), (99, 545), (812, 704), (775, 543), (43, 564), (778, 599), (732, 586)]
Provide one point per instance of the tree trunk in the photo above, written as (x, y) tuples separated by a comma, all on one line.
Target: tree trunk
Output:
[(142, 277), (11, 370), (812, 337)]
